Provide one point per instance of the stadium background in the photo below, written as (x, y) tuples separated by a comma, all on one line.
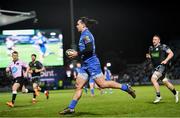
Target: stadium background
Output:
[(122, 37), (124, 31)]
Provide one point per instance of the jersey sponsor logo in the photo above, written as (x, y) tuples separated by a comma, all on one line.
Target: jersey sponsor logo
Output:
[(155, 54), (14, 69)]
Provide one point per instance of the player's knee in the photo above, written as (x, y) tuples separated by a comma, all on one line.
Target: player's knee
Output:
[(154, 78), (14, 88), (79, 86), (165, 80), (35, 85), (14, 92), (103, 85)]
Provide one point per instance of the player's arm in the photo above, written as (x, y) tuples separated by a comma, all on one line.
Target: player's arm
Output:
[(87, 52), (29, 70), (75, 75), (148, 56), (8, 69), (169, 56), (110, 74), (41, 69), (26, 69)]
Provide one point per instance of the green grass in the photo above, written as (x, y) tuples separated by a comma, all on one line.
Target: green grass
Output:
[(117, 104), (25, 52)]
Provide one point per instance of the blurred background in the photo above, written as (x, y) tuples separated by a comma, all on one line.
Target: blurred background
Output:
[(123, 35)]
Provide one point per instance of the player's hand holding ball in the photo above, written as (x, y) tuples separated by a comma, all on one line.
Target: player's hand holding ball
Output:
[(71, 53)]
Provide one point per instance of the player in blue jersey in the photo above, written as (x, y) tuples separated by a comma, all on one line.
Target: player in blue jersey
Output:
[(92, 85), (107, 74), (90, 66), (76, 71), (40, 43)]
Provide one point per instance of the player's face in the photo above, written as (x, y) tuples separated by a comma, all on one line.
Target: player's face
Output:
[(15, 56), (33, 58), (80, 26), (156, 40)]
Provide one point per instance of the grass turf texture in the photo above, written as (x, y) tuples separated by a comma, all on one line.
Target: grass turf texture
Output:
[(117, 104)]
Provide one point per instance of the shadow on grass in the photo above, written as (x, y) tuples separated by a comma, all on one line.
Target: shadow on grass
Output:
[(79, 114), (154, 103)]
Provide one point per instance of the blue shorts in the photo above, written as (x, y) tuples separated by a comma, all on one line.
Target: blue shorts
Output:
[(43, 49), (91, 81), (108, 79), (91, 68)]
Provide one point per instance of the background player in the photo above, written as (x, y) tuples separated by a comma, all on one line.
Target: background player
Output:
[(16, 68), (108, 75), (35, 68), (160, 55)]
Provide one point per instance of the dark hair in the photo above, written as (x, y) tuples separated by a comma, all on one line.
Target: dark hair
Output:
[(15, 52), (33, 55), (88, 22), (157, 35)]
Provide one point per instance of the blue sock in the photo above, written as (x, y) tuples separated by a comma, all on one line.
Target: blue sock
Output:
[(92, 91), (124, 87), (73, 103)]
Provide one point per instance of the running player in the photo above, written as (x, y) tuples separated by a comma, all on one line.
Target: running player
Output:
[(16, 68), (40, 43), (35, 68), (91, 65), (107, 74), (160, 55)]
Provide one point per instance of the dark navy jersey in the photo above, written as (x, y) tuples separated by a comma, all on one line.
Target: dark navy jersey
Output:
[(35, 65), (158, 54)]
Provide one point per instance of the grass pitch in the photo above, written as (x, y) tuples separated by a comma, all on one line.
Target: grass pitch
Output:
[(117, 104)]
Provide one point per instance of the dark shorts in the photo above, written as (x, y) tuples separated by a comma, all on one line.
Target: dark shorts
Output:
[(19, 80), (36, 79), (162, 69)]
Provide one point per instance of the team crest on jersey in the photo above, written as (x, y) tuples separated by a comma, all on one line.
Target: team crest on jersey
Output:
[(86, 39), (14, 69)]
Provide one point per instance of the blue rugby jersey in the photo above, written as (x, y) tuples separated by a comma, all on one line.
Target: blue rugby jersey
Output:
[(85, 38)]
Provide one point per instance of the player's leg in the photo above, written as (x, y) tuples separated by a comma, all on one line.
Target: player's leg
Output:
[(102, 83), (14, 94), (91, 85), (80, 82), (35, 92), (171, 87), (154, 79), (85, 88), (35, 87), (100, 89), (24, 89)]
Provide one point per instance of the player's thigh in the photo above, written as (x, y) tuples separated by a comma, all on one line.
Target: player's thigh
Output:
[(156, 75), (100, 81), (15, 86), (80, 82), (35, 85)]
